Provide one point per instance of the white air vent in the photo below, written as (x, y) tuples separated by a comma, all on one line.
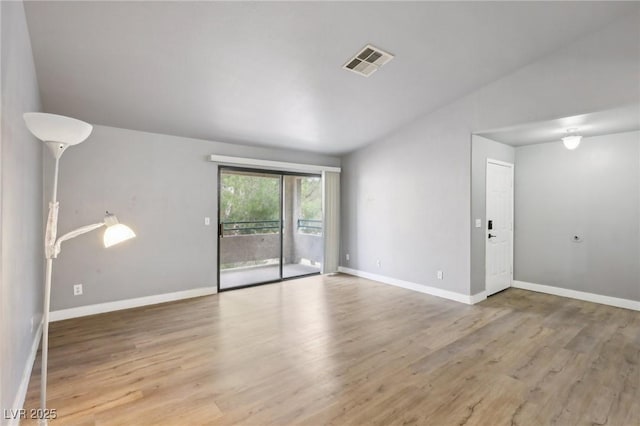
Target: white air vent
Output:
[(368, 60)]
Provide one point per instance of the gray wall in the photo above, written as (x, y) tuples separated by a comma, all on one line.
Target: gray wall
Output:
[(22, 212), (163, 187), (406, 198), (593, 192), (482, 149), (406, 202)]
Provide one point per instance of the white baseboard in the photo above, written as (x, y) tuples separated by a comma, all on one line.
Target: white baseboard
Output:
[(477, 298), (580, 295), (434, 291), (82, 311), (18, 402)]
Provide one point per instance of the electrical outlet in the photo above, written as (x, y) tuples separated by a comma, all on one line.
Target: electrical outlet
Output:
[(77, 290), (207, 221), (347, 256), (378, 263), (440, 275)]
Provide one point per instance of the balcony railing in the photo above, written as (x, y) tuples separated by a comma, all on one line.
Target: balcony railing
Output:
[(250, 227), (305, 226), (310, 226)]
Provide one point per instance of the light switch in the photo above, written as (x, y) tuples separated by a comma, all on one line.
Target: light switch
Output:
[(207, 221), (478, 223)]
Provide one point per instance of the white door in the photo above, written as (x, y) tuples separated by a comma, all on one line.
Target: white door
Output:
[(499, 226)]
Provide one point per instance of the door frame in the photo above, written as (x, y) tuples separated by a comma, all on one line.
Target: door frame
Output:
[(486, 215), (281, 174)]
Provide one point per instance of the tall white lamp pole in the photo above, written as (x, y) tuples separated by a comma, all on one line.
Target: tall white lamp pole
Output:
[(59, 133)]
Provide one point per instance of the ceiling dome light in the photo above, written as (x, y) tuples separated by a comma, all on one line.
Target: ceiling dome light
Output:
[(572, 140)]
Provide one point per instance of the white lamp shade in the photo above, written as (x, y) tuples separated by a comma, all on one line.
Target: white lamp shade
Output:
[(57, 128), (571, 142), (116, 234)]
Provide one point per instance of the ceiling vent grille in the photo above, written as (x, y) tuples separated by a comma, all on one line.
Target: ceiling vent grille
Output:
[(368, 60)]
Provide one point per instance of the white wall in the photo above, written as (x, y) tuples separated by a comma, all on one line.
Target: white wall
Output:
[(163, 187), (21, 212), (592, 192), (406, 198)]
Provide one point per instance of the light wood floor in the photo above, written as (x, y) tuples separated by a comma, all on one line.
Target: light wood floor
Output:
[(343, 350)]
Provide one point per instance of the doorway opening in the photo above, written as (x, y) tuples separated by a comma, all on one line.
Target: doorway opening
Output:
[(269, 226)]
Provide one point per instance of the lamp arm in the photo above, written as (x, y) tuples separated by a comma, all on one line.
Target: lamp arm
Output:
[(73, 234)]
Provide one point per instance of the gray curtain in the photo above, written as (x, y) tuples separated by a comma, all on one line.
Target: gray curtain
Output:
[(331, 221)]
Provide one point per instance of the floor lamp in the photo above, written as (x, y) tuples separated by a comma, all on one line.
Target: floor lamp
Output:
[(59, 133)]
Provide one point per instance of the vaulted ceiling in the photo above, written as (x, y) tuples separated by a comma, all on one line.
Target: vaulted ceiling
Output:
[(266, 73)]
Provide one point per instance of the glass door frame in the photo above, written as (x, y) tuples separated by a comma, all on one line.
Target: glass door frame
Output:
[(281, 174)]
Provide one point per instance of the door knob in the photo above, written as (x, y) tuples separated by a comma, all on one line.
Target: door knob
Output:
[(492, 236)]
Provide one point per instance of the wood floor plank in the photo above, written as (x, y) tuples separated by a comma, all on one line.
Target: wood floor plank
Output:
[(347, 351)]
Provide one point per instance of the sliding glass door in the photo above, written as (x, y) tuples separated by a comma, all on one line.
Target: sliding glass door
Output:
[(269, 226), (302, 239)]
